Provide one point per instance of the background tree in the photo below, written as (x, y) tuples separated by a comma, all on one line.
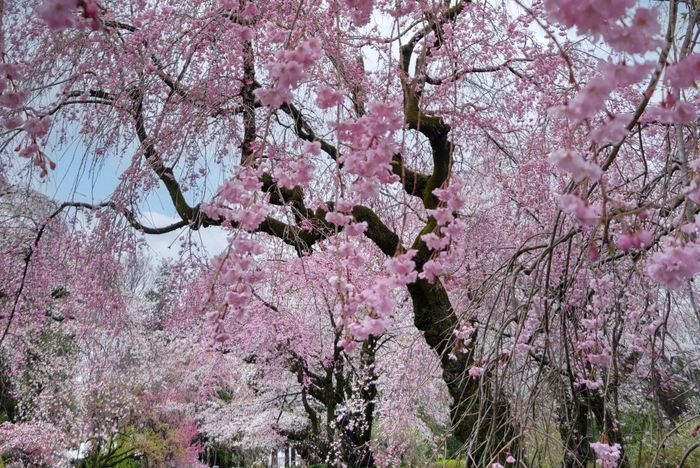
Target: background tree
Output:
[(525, 173)]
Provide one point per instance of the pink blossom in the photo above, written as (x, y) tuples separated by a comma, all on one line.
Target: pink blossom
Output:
[(684, 113), (326, 98), (435, 242), (602, 359), (13, 100), (685, 73), (360, 11), (587, 15), (634, 240), (312, 147), (607, 455), (611, 132), (402, 267), (584, 214), (572, 162), (510, 458), (356, 229), (452, 196), (274, 97), (11, 71), (431, 270), (442, 215), (623, 74), (589, 101), (672, 110), (12, 122), (37, 128), (476, 371), (222, 337), (338, 219), (253, 216), (674, 264), (250, 10), (637, 37), (303, 172), (58, 14), (369, 326), (693, 227)]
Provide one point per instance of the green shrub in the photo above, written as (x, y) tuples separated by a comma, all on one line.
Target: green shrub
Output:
[(450, 463)]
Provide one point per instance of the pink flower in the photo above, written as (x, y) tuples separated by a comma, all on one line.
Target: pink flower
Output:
[(253, 216), (452, 196), (635, 240), (312, 147), (475, 372), (685, 73), (693, 227), (431, 270), (13, 100), (638, 37), (684, 113), (338, 219), (606, 455), (326, 98), (356, 229), (623, 74), (37, 128), (584, 214), (435, 242), (612, 132), (250, 11), (587, 15), (222, 337), (58, 14), (360, 11), (572, 162), (11, 71), (12, 122), (510, 458), (589, 101), (402, 267), (274, 97), (443, 216), (674, 264), (369, 326)]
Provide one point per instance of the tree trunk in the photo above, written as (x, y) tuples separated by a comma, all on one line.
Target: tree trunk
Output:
[(480, 418)]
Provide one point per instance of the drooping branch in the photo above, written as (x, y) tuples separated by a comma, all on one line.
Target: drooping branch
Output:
[(154, 160), (488, 69)]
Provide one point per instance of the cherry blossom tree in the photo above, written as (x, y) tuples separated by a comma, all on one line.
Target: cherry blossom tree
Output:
[(519, 179)]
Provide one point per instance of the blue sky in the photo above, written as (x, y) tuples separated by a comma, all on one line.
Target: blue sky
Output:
[(81, 177)]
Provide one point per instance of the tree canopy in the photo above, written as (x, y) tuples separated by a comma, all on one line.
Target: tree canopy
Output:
[(454, 229)]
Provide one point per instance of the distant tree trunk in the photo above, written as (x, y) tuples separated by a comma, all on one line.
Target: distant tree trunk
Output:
[(273, 459), (573, 429), (286, 456)]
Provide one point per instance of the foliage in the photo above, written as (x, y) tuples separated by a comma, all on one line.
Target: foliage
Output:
[(396, 230)]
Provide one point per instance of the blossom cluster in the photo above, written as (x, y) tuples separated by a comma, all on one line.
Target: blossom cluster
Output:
[(238, 271), (61, 14), (241, 202), (607, 455), (372, 148), (288, 70), (675, 263)]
